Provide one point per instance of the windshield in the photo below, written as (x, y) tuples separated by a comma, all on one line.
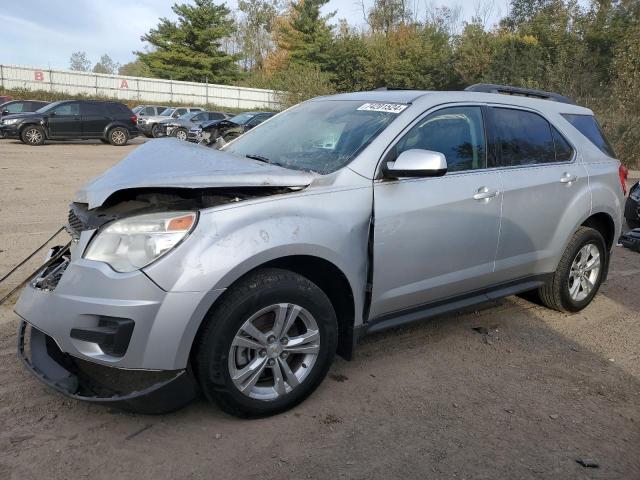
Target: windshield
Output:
[(137, 109), (319, 136), (46, 108), (242, 118), (188, 116), (167, 112)]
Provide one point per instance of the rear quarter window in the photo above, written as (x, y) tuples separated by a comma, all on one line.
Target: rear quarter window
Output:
[(588, 126)]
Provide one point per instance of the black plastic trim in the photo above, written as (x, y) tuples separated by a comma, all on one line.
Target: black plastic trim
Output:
[(421, 312), (162, 397)]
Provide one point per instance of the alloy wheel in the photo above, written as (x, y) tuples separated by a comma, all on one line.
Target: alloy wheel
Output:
[(274, 351), (33, 135), (584, 272), (181, 135), (118, 137)]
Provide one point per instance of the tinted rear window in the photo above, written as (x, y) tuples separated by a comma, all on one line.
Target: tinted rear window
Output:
[(588, 126), (524, 138)]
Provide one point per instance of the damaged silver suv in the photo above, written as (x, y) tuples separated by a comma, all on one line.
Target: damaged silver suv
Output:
[(239, 273)]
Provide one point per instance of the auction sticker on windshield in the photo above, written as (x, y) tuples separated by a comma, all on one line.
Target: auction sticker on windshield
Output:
[(383, 107)]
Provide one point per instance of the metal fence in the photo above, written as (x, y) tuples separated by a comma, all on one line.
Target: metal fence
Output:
[(147, 90)]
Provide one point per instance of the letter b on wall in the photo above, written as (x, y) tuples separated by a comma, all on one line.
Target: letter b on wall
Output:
[(38, 75)]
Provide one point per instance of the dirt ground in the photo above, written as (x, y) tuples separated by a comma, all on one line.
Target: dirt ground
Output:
[(536, 392)]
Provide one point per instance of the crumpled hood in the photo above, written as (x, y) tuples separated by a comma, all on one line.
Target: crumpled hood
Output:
[(172, 163)]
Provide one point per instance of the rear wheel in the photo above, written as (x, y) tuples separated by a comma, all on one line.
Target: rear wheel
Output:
[(118, 136), (579, 274), (267, 345), (33, 135), (155, 131)]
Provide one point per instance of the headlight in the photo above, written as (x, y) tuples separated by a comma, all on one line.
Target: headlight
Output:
[(133, 243), (10, 121)]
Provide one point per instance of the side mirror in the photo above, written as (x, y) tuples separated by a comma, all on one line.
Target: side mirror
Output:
[(5, 112), (417, 163)]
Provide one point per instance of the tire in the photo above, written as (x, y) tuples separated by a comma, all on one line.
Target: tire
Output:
[(32, 135), (566, 292), (118, 136), (180, 134), (155, 131), (255, 300)]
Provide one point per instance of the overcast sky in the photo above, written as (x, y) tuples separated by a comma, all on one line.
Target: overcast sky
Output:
[(44, 33)]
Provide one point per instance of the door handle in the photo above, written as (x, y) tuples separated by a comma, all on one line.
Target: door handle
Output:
[(568, 178), (485, 193)]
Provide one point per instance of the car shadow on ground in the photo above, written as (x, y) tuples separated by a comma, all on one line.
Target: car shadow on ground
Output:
[(489, 393)]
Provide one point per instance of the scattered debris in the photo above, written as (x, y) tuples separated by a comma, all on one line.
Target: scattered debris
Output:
[(481, 330), (455, 405), (587, 463), (554, 416), (20, 438), (509, 411), (338, 377), (218, 436), (138, 432), (331, 419)]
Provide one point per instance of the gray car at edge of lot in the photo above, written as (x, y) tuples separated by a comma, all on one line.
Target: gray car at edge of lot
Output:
[(241, 272)]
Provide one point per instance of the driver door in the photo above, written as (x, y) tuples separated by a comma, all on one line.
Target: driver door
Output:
[(65, 121), (436, 237)]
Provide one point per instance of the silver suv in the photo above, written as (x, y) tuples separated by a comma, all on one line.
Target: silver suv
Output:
[(239, 273)]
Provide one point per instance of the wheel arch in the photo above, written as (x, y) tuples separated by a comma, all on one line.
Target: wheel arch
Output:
[(329, 278)]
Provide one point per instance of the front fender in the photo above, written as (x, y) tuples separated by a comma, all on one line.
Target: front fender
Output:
[(230, 241)]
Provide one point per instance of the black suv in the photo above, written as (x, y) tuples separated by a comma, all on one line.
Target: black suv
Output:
[(111, 122)]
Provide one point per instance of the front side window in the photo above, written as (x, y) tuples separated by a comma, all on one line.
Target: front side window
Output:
[(17, 107), (320, 136), (67, 110), (588, 126), (167, 112), (179, 112), (456, 132), (524, 138), (149, 111)]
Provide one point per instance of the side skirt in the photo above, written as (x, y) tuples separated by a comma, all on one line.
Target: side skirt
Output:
[(422, 312)]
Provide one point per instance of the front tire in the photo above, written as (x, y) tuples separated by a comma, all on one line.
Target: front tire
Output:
[(579, 273), (181, 134), (155, 131), (33, 135), (118, 136), (267, 345)]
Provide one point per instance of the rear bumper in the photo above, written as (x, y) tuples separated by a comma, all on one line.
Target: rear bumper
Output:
[(61, 372)]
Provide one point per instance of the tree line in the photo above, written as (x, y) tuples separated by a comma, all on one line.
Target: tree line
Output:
[(590, 52)]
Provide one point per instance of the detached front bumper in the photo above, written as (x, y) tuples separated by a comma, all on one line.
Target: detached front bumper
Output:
[(67, 375)]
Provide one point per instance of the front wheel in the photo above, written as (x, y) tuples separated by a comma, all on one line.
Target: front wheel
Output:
[(267, 345), (33, 135), (579, 273), (181, 134)]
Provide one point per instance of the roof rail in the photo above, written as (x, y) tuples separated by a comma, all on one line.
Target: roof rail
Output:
[(523, 92)]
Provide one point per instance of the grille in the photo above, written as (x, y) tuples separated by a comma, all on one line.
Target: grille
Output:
[(74, 226)]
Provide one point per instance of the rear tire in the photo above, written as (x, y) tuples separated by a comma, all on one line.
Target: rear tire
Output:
[(155, 131), (241, 334), (33, 135), (579, 273), (118, 136)]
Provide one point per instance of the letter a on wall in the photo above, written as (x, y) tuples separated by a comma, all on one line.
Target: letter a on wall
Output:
[(124, 84)]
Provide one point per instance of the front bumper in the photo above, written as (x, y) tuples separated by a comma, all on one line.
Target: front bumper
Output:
[(9, 131), (61, 372), (89, 297)]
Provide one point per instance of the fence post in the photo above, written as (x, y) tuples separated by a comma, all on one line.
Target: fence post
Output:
[(95, 81), (50, 80), (171, 91), (1, 76), (206, 90)]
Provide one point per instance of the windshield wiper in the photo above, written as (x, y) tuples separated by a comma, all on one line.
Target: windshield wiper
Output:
[(259, 158)]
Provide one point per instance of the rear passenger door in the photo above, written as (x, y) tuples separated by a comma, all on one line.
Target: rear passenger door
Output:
[(95, 119), (436, 237), (545, 187)]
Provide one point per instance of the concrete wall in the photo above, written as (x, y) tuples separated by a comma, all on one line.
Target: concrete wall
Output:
[(145, 90)]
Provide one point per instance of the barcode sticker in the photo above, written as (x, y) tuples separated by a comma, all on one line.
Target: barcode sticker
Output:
[(383, 107)]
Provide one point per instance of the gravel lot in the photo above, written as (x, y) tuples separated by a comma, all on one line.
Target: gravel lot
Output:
[(435, 400)]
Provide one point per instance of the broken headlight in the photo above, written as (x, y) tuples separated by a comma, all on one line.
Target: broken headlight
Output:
[(133, 243)]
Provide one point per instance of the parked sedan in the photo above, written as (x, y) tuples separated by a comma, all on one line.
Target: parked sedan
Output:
[(228, 129), (632, 207), (179, 127)]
